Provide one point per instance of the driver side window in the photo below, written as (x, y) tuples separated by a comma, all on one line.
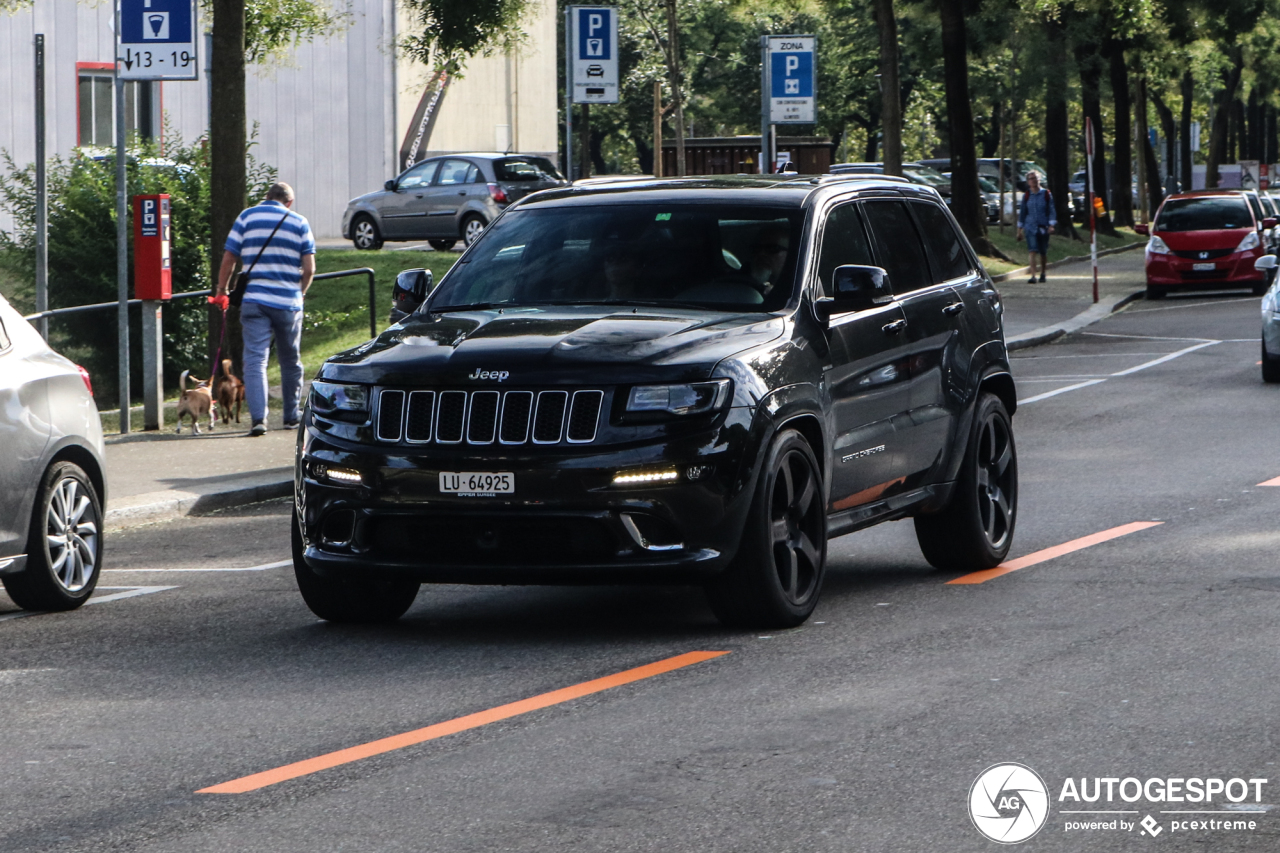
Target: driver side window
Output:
[(419, 176), (844, 241)]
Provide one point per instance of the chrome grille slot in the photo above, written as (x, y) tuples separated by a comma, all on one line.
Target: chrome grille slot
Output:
[(548, 420), (417, 429), (451, 417), (390, 415), (584, 414), (517, 406), (482, 421)]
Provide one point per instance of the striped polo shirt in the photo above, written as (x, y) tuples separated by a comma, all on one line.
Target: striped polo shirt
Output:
[(276, 280)]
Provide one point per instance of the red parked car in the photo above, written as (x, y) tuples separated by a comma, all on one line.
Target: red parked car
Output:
[(1206, 239)]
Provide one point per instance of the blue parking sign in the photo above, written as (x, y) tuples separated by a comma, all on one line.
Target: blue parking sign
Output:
[(595, 34), (791, 75)]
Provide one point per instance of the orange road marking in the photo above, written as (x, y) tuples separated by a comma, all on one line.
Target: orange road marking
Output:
[(1055, 551), (460, 724), (1272, 482)]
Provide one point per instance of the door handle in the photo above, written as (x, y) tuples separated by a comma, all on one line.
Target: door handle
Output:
[(894, 327), (419, 195), (462, 192), (953, 309)]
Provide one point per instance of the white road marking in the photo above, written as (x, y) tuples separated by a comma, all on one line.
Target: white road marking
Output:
[(1145, 337), (1204, 304), (1168, 357), (279, 564), (125, 592)]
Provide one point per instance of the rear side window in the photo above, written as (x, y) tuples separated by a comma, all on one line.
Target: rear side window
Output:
[(518, 169), (946, 252), (1204, 214), (454, 172), (844, 241), (897, 245)]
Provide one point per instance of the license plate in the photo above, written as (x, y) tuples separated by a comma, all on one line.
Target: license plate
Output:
[(477, 483), (1204, 266)]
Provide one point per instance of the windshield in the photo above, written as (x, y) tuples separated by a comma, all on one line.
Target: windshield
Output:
[(521, 169), (988, 186), (926, 175), (699, 255), (1204, 214)]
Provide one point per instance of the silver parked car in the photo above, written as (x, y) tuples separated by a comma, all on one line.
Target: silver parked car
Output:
[(52, 483), (1270, 323), (446, 199)]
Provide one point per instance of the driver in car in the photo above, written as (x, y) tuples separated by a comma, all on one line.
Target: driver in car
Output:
[(768, 254)]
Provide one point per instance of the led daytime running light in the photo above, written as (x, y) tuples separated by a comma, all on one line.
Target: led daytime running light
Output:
[(622, 479)]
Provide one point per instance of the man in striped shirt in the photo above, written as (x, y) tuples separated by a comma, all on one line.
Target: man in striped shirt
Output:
[(280, 269)]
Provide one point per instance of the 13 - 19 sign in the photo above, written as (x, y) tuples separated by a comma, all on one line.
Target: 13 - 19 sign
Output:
[(157, 40)]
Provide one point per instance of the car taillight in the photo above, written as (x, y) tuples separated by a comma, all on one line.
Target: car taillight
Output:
[(84, 374), (498, 194)]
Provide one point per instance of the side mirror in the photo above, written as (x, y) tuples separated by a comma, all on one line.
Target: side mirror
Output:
[(390, 186), (1144, 230), (856, 288), (411, 289), (1264, 263), (1269, 222)]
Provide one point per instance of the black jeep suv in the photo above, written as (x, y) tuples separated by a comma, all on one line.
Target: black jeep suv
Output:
[(683, 381)]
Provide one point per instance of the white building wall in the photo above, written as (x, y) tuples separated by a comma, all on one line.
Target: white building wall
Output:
[(330, 117)]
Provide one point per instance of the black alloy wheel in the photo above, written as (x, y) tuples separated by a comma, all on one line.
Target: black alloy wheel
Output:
[(975, 529), (362, 601), (776, 578), (365, 234)]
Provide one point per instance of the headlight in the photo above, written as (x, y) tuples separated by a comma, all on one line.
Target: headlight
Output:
[(327, 397), (693, 399), (1250, 241), (1156, 246)]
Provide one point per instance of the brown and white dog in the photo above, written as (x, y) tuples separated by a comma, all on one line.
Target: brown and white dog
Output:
[(230, 392), (196, 402)]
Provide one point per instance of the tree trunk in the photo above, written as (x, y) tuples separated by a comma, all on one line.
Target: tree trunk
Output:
[(677, 96), (1188, 96), (1057, 133), (1122, 192), (890, 103), (1169, 128), (1270, 142), (228, 135), (966, 198), (1255, 126), (1155, 192), (1090, 75), (1224, 99)]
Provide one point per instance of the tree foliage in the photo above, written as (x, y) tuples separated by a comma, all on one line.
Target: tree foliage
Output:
[(448, 32)]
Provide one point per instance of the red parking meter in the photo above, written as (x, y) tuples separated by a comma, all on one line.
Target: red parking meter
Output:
[(152, 277)]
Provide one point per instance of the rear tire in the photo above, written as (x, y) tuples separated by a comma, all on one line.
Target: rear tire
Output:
[(64, 545), (975, 529), (1154, 293), (345, 600), (442, 245), (1270, 366), (365, 234), (472, 227), (776, 578)]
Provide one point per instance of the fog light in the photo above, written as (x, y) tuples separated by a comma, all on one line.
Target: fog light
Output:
[(628, 478)]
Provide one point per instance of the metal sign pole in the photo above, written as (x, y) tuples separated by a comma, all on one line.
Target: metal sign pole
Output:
[(568, 93), (1093, 211), (42, 198), (764, 104), (122, 248)]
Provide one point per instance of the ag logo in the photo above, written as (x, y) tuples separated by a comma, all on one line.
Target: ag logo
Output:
[(1008, 803)]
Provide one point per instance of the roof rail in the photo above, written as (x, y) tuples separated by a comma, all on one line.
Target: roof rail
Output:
[(859, 176)]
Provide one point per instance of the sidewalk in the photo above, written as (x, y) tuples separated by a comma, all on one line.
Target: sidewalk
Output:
[(154, 476)]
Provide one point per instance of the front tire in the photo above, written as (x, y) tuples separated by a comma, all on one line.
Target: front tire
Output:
[(442, 245), (1154, 293), (369, 601), (365, 234), (64, 545), (975, 529), (776, 578), (1270, 366)]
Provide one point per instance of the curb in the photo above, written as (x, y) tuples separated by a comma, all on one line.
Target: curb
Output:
[(178, 503), (1074, 259), (1093, 314)]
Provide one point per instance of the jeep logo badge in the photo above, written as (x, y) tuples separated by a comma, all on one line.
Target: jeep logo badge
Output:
[(500, 375)]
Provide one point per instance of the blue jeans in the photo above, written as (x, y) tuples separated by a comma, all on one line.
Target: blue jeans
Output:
[(258, 324)]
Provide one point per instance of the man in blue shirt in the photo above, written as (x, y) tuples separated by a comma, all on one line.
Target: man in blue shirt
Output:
[(280, 268), (1036, 219)]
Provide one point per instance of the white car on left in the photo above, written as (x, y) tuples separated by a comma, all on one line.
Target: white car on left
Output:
[(52, 476)]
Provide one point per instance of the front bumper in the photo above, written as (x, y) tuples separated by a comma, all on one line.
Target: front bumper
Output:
[(565, 523), (1234, 270)]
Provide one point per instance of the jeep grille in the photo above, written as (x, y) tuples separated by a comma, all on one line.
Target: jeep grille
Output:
[(488, 417)]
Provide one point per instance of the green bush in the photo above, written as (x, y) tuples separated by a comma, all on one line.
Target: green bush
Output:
[(82, 251)]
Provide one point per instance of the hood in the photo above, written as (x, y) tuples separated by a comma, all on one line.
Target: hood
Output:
[(564, 344), (367, 197), (1221, 238)]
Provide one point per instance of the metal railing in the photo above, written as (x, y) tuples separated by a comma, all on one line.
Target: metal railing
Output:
[(191, 294)]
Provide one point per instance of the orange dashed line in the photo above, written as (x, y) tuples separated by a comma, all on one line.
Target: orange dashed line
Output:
[(1055, 551), (459, 724)]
